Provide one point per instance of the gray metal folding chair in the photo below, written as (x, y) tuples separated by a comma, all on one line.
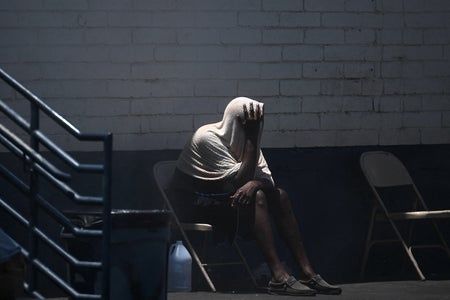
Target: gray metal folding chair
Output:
[(384, 171), (163, 172)]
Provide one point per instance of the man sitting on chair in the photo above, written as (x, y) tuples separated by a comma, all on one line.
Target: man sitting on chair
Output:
[(222, 178)]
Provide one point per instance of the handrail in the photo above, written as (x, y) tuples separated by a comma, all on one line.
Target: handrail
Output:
[(94, 168), (29, 152), (67, 190), (41, 167), (48, 170), (56, 214), (12, 115), (50, 112), (21, 122), (72, 292), (45, 238)]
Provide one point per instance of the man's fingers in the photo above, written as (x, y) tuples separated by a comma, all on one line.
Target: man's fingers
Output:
[(252, 111), (258, 112), (245, 112), (240, 199)]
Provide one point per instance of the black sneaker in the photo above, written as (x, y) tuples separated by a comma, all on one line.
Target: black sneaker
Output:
[(291, 287), (318, 284)]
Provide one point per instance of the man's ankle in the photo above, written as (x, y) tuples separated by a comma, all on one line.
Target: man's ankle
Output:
[(282, 277)]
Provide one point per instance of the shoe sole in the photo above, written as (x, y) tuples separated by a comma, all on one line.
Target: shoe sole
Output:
[(286, 293), (332, 292)]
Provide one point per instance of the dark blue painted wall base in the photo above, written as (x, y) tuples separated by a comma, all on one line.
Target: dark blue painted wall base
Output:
[(329, 194)]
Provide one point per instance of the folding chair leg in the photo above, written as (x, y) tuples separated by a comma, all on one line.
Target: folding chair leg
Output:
[(408, 242), (194, 255), (200, 265), (414, 262), (408, 251), (244, 261)]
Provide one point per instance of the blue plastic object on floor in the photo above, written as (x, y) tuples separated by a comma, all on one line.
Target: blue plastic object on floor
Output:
[(8, 247), (180, 269)]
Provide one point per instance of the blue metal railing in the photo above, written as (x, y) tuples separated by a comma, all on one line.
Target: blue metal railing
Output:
[(40, 167)]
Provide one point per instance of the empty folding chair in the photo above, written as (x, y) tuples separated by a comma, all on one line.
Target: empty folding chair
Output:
[(385, 171)]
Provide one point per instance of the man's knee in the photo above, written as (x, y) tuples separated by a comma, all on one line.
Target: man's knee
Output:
[(283, 195), (276, 196), (260, 198), (280, 195), (281, 199)]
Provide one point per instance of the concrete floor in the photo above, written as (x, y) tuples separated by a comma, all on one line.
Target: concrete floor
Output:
[(393, 290)]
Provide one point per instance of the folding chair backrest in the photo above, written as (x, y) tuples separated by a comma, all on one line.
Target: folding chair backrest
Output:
[(383, 169), (163, 172)]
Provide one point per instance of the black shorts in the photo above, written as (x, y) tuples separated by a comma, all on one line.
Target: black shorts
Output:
[(214, 209)]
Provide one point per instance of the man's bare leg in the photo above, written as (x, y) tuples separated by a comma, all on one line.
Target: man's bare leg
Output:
[(287, 225), (281, 209), (264, 238), (282, 283)]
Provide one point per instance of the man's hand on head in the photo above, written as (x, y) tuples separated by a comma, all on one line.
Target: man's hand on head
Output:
[(252, 118)]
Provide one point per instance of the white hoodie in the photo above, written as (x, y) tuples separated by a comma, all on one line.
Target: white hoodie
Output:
[(215, 150)]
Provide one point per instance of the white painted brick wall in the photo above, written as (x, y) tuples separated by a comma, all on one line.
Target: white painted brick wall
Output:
[(331, 72)]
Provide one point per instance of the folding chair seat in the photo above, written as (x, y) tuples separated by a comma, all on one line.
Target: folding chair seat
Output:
[(383, 172), (163, 172)]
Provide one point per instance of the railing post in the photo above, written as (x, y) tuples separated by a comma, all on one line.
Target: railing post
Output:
[(106, 247), (34, 190)]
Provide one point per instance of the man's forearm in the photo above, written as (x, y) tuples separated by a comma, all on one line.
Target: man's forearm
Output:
[(251, 124), (248, 165)]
